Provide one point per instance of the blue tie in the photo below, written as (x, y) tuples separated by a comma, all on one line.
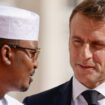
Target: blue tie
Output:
[(91, 97)]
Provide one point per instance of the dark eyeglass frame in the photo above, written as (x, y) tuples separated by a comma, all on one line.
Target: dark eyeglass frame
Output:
[(36, 51), (20, 47)]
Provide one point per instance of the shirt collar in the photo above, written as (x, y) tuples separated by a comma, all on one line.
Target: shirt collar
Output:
[(101, 89), (78, 88), (3, 101)]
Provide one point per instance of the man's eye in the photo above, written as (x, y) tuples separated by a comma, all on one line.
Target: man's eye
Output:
[(32, 54), (98, 46), (77, 42)]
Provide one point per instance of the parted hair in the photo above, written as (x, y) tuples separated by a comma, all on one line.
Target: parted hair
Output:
[(94, 9)]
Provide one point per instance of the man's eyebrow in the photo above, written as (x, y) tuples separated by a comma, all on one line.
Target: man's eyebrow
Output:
[(98, 42), (76, 37)]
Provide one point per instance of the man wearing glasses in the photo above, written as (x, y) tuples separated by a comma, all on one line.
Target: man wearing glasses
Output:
[(18, 51)]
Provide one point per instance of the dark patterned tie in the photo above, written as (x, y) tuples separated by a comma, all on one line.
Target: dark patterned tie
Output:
[(91, 97)]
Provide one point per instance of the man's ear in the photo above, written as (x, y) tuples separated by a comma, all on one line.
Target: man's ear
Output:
[(6, 54)]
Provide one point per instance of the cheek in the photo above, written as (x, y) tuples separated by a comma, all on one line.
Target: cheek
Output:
[(74, 57), (74, 54), (99, 57), (22, 68), (24, 63), (99, 60)]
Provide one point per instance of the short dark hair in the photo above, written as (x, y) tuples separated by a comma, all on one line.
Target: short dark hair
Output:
[(94, 9), (8, 41)]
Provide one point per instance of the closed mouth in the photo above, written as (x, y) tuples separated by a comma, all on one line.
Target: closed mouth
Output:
[(86, 66), (32, 73)]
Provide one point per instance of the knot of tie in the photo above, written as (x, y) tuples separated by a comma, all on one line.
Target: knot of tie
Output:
[(91, 97)]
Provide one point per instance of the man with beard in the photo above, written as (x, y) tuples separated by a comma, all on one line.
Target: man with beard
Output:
[(18, 51)]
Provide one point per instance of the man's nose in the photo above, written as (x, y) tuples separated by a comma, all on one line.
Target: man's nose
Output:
[(35, 64), (86, 52)]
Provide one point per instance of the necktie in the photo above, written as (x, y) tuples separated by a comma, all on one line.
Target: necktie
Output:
[(91, 97)]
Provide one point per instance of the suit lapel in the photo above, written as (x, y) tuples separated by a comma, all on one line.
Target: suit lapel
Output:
[(65, 94)]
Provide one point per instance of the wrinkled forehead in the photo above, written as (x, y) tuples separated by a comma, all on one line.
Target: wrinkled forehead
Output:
[(87, 28)]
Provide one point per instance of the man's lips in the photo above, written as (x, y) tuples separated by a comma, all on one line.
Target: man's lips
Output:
[(32, 73), (86, 66), (30, 76)]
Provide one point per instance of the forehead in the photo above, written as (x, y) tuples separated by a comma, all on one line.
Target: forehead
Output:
[(28, 43), (86, 27)]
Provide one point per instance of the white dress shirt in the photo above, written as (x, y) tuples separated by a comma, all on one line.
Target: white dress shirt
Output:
[(7, 100), (78, 88)]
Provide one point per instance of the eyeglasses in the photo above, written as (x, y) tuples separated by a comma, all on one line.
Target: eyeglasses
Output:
[(32, 53)]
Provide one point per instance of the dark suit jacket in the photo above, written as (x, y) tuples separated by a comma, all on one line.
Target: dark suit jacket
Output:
[(60, 95)]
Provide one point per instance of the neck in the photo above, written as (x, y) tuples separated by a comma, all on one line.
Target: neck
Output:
[(3, 90), (2, 93), (92, 85)]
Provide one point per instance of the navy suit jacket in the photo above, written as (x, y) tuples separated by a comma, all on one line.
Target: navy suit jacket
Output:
[(60, 95)]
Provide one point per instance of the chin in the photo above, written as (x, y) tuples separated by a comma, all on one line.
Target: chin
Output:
[(24, 88)]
